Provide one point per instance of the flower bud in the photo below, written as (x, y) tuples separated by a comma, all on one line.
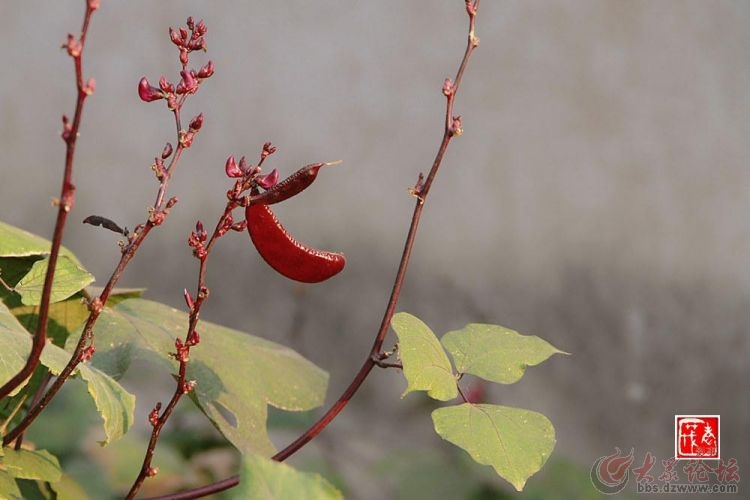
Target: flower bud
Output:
[(89, 86), (147, 93), (167, 151), (268, 149), (188, 84), (73, 46), (188, 299), (456, 128), (207, 70), (448, 87), (196, 123), (175, 37), (231, 168), (200, 28), (269, 180)]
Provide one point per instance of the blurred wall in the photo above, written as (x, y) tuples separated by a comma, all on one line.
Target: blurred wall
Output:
[(597, 197)]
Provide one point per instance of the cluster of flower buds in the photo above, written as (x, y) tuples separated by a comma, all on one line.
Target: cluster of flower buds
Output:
[(188, 43), (268, 150), (190, 79), (196, 241), (241, 169)]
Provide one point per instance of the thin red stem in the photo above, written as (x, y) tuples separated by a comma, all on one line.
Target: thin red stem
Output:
[(157, 214), (65, 204), (421, 193), (201, 294)]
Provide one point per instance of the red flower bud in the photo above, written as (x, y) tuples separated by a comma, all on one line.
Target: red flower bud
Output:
[(193, 338), (456, 128), (175, 37), (73, 46), (269, 180), (196, 123), (243, 165), (153, 416), (167, 151), (207, 70), (188, 299), (268, 149), (89, 86), (231, 168), (200, 28), (448, 87), (147, 93), (188, 84)]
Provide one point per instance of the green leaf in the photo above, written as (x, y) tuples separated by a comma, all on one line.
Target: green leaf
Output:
[(426, 366), (15, 345), (495, 353), (238, 375), (15, 242), (27, 464), (68, 489), (262, 478), (115, 405), (514, 441), (64, 318), (70, 278), (8, 485)]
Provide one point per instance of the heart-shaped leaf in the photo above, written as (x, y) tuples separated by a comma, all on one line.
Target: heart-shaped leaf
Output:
[(515, 442), (495, 353), (426, 366)]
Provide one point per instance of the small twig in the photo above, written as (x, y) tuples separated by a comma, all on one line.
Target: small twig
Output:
[(421, 190), (176, 97), (159, 418), (64, 204)]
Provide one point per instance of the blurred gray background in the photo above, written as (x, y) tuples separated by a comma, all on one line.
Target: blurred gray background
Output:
[(598, 197)]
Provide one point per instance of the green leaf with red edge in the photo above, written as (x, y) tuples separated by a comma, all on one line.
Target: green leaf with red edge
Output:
[(270, 480), (495, 353), (426, 366), (238, 375), (514, 441)]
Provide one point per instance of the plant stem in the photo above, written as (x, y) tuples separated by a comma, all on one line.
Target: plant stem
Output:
[(180, 389), (421, 192), (64, 206)]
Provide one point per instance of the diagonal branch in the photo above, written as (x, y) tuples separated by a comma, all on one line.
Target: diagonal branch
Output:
[(64, 204), (420, 191)]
